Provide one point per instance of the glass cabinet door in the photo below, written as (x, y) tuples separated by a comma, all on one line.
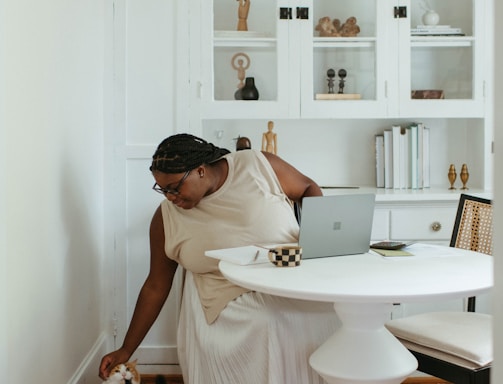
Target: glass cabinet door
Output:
[(242, 40), (342, 60), (439, 75), (338, 58)]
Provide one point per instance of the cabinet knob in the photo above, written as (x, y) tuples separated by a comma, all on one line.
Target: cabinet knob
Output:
[(436, 226)]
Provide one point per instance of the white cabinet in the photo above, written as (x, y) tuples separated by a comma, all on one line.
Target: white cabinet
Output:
[(384, 65), (384, 62), (427, 218), (412, 221)]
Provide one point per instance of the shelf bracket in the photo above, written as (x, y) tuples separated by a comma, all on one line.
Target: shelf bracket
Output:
[(302, 13), (400, 12), (285, 13)]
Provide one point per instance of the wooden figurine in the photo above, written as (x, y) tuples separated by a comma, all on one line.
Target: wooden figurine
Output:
[(243, 9), (240, 62), (269, 142)]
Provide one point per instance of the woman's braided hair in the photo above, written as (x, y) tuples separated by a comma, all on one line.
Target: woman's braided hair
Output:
[(183, 152)]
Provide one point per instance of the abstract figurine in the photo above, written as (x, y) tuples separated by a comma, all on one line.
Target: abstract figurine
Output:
[(342, 75), (240, 62), (330, 75)]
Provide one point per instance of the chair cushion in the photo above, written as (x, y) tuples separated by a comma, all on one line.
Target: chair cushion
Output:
[(463, 335)]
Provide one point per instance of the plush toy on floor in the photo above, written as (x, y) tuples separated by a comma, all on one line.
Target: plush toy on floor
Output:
[(125, 373)]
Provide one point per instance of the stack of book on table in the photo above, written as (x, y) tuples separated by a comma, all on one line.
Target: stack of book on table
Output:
[(436, 30), (403, 157)]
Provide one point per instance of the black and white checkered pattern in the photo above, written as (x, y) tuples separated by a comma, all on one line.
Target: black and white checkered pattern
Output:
[(286, 257)]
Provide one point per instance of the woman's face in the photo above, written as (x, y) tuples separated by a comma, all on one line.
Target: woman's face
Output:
[(183, 189)]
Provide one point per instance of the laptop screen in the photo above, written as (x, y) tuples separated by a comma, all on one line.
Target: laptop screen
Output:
[(336, 225)]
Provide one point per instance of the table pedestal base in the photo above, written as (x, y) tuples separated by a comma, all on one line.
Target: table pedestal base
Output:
[(363, 350)]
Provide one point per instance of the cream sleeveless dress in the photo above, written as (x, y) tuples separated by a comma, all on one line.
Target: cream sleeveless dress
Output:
[(227, 334)]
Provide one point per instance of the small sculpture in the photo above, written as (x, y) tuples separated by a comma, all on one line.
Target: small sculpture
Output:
[(269, 143), (464, 175), (327, 28), (350, 28), (342, 75), (430, 17), (330, 75), (452, 175), (240, 62), (242, 143), (243, 9), (335, 28)]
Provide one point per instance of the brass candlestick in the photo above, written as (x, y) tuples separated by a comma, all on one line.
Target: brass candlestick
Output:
[(452, 175), (464, 175)]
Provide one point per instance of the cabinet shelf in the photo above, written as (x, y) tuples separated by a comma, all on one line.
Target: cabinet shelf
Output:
[(265, 42), (243, 39), (343, 42), (441, 41)]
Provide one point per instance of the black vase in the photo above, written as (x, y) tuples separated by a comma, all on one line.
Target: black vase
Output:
[(249, 91)]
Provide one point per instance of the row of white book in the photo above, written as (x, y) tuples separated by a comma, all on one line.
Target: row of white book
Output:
[(403, 157), (436, 30)]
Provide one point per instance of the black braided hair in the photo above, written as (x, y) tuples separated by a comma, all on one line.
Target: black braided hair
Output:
[(183, 152)]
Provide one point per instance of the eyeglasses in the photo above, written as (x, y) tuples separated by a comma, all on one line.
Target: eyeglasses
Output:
[(174, 191)]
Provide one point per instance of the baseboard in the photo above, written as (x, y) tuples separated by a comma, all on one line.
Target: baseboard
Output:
[(175, 379), (87, 372)]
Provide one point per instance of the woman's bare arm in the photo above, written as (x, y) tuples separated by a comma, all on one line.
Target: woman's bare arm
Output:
[(151, 298), (295, 184)]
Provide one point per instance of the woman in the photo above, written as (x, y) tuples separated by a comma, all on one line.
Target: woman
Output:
[(226, 334)]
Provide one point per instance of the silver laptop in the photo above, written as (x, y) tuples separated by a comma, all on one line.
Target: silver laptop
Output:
[(336, 225)]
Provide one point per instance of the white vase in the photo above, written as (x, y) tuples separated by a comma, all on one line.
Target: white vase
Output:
[(431, 17)]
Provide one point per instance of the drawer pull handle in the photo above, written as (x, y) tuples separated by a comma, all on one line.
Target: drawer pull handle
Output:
[(436, 226)]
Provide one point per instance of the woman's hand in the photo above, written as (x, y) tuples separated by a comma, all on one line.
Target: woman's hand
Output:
[(108, 362)]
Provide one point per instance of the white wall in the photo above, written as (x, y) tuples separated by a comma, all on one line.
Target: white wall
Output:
[(498, 205), (3, 202), (52, 186), (144, 112)]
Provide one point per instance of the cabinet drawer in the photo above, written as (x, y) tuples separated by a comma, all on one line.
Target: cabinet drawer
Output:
[(422, 223)]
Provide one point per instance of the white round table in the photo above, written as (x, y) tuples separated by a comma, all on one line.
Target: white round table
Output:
[(363, 289)]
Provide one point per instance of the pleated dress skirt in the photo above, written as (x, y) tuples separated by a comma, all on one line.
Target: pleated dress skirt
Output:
[(257, 339)]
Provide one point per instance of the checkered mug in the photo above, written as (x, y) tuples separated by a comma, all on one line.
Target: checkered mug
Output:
[(286, 256)]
